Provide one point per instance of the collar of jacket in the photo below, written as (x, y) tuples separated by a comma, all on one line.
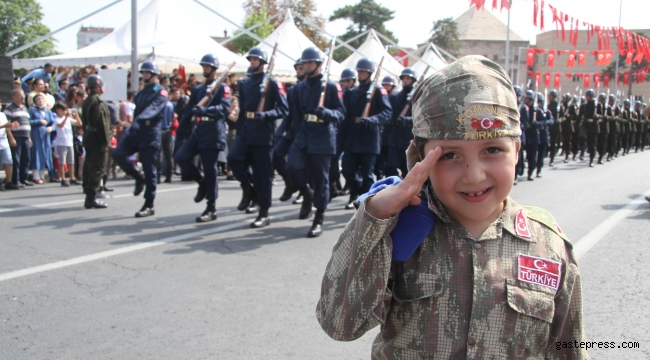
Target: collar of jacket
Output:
[(314, 80)]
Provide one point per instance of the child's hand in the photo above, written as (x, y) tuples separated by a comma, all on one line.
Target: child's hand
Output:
[(391, 201)]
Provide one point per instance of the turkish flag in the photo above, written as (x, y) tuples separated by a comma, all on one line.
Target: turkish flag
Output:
[(640, 76), (600, 58), (582, 55), (586, 77), (628, 58), (558, 79), (547, 79), (479, 3), (402, 57), (608, 57), (639, 57), (551, 58), (606, 79), (568, 75), (538, 77), (530, 57), (597, 79), (626, 78), (181, 72), (572, 59)]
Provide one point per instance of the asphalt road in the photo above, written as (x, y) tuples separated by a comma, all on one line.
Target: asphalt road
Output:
[(100, 284)]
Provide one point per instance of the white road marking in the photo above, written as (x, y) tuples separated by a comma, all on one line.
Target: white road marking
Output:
[(142, 246), (4, 210), (596, 234)]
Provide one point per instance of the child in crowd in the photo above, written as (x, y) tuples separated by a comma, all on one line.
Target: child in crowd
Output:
[(64, 142), (112, 165), (486, 277)]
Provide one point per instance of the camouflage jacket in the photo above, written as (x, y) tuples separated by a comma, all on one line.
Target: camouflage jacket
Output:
[(456, 297)]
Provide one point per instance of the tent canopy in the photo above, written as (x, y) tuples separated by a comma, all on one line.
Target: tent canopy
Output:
[(429, 58), (291, 42), (159, 38), (373, 49)]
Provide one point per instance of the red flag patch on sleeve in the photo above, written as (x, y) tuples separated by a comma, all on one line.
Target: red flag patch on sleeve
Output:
[(281, 88), (164, 93), (338, 88), (539, 271), (384, 92), (226, 91)]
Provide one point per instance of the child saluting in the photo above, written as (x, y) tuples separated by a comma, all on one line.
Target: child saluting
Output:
[(492, 279)]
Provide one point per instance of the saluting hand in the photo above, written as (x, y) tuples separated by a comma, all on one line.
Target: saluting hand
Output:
[(392, 200)]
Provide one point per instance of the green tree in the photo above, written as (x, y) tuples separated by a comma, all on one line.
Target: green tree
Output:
[(244, 42), (623, 67), (20, 23), (445, 35), (365, 15)]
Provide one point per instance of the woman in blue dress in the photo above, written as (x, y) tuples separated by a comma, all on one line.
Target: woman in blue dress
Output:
[(42, 120)]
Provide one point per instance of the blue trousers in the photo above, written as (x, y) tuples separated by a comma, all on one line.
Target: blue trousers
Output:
[(280, 152), (148, 158), (241, 156), (21, 158), (541, 154), (531, 156), (303, 167), (357, 170), (396, 161), (335, 172), (184, 158)]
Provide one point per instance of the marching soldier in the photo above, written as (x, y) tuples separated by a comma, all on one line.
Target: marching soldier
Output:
[(96, 139), (537, 120), (588, 118), (544, 138), (556, 128), (613, 115), (634, 123), (625, 127), (315, 143), (388, 83), (363, 134), (579, 142), (207, 139), (568, 119), (347, 81), (285, 135), (144, 137), (603, 128), (401, 135), (254, 143), (644, 124), (523, 125)]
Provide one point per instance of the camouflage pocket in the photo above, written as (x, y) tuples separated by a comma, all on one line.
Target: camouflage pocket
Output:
[(529, 330), (413, 286)]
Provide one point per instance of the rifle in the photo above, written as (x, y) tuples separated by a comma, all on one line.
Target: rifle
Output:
[(410, 95), (371, 90), (217, 84), (326, 74), (264, 86)]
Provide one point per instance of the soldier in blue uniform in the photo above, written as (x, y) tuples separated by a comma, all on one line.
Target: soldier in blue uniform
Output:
[(254, 143), (363, 134), (603, 128), (381, 163), (315, 143), (284, 137), (144, 137), (544, 134), (589, 122), (401, 134), (347, 81), (537, 120), (207, 139), (523, 124)]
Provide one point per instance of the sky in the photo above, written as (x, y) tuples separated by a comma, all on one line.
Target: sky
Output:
[(412, 23)]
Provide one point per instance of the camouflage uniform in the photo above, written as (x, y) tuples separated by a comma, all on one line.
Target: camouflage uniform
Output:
[(458, 297)]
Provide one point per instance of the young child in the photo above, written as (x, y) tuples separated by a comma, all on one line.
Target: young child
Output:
[(64, 142), (492, 279)]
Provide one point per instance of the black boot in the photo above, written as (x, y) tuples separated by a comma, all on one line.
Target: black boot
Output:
[(104, 188), (147, 209), (600, 160), (139, 184), (288, 190), (253, 208), (209, 214), (317, 226), (591, 161), (350, 204), (92, 203), (530, 176), (200, 193), (582, 155), (566, 159), (539, 173), (247, 191), (305, 208), (262, 220)]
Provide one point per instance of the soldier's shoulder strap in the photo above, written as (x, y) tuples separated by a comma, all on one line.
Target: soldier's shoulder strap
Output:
[(544, 217)]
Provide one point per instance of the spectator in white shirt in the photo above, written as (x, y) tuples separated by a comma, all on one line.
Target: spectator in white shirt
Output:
[(6, 140), (64, 141)]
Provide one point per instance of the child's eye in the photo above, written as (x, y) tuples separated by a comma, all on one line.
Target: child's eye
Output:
[(449, 156), (493, 150)]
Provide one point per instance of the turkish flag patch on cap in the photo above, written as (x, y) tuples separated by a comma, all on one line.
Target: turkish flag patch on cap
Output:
[(539, 271), (521, 225), (226, 92), (486, 124)]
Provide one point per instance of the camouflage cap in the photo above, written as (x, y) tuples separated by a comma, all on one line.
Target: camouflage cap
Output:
[(470, 99)]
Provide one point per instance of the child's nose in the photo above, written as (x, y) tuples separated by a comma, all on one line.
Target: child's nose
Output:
[(474, 172)]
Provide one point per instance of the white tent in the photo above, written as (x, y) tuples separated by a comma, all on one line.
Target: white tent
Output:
[(292, 43), (429, 58), (160, 37), (373, 49)]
